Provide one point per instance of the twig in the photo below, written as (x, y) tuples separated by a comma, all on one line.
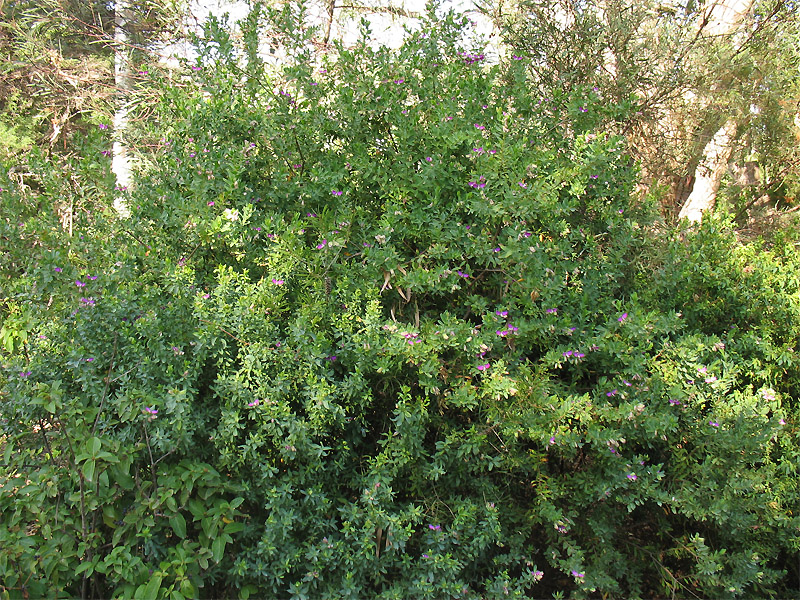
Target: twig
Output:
[(223, 330), (108, 381)]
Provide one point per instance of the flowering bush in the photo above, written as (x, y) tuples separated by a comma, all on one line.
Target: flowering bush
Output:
[(390, 326)]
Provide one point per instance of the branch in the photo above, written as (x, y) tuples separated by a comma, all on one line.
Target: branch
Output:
[(392, 10)]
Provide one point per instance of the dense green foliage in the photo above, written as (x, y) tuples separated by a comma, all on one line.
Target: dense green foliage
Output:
[(388, 326), (682, 75)]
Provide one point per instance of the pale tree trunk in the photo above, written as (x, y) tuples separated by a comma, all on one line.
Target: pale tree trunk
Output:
[(724, 18), (709, 173), (121, 162)]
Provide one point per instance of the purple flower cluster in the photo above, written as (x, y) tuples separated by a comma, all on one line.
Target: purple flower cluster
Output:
[(510, 329), (411, 338), (481, 183), (471, 59)]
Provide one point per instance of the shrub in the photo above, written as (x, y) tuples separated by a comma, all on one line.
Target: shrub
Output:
[(390, 326)]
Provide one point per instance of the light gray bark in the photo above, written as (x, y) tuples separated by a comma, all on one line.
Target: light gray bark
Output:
[(121, 160), (724, 18)]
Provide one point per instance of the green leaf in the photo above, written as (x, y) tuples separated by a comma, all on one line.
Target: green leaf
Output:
[(218, 548), (178, 524), (245, 592), (86, 566), (88, 470), (234, 527), (148, 591), (94, 445)]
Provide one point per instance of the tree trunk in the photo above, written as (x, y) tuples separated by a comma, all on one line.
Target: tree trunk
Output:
[(121, 162), (723, 18), (709, 173)]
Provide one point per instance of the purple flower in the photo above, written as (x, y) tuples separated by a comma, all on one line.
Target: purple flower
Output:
[(58, 269), (522, 184), (496, 249), (674, 402), (713, 423), (331, 358), (103, 126), (336, 193), (92, 277), (479, 127), (150, 411), (553, 440), (515, 57), (568, 353), (89, 360), (483, 367), (501, 313), (253, 403), (322, 244), (211, 203), (595, 176), (611, 393), (88, 301), (425, 556), (462, 274), (578, 575), (780, 421), (632, 476), (551, 311), (710, 379), (502, 332), (278, 281), (428, 158), (623, 317), (626, 382), (435, 527), (79, 283), (25, 374)]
